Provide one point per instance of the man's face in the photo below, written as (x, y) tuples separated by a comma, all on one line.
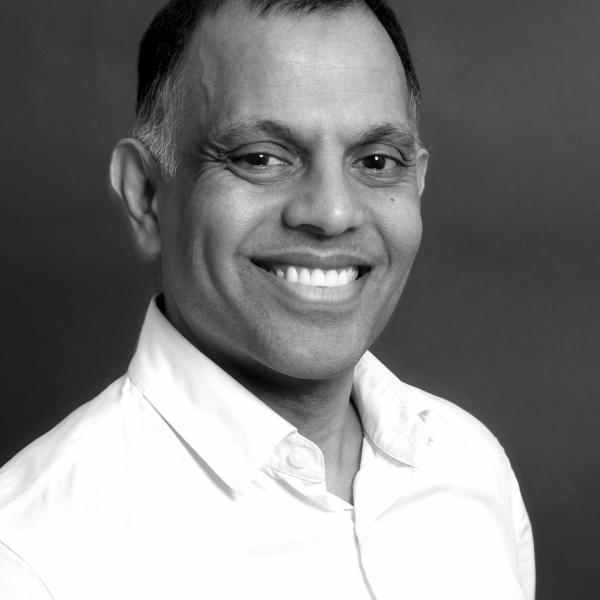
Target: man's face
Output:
[(293, 220)]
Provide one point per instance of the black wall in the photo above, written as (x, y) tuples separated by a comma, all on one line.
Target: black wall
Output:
[(501, 313)]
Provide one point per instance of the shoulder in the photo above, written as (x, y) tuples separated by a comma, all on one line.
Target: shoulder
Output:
[(73, 439), (460, 456), (464, 453), (460, 443), (450, 437), (66, 467), (72, 484), (18, 581), (454, 424)]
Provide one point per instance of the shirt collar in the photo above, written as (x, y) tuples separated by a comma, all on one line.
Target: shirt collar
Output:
[(393, 414), (231, 429), (226, 425)]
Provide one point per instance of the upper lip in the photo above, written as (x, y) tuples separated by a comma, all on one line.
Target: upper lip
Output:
[(312, 260)]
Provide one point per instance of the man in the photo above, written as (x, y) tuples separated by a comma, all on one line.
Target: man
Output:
[(254, 448)]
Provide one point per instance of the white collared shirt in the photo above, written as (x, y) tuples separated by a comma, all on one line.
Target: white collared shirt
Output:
[(177, 483)]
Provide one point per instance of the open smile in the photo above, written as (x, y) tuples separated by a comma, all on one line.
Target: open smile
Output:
[(321, 285), (316, 277)]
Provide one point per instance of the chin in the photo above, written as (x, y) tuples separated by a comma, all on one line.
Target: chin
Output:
[(314, 352), (315, 364)]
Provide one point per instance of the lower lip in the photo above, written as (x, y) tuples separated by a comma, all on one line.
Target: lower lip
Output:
[(316, 295)]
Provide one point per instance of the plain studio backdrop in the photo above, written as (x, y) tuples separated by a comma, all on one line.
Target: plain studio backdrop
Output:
[(501, 312)]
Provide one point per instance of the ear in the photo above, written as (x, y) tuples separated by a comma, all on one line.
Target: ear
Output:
[(134, 179), (422, 162)]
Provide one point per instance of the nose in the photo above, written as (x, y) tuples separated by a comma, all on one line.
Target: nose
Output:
[(326, 204)]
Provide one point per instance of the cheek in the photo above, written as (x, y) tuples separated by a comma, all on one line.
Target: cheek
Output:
[(192, 229), (402, 227), (217, 219)]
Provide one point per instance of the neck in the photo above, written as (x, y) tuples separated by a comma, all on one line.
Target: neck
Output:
[(323, 412)]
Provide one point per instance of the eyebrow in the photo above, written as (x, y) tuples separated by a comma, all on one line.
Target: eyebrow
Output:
[(402, 135), (241, 132)]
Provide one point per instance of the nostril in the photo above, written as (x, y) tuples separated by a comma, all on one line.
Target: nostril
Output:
[(323, 217), (314, 230)]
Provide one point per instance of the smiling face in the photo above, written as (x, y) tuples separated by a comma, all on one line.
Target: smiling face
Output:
[(291, 225)]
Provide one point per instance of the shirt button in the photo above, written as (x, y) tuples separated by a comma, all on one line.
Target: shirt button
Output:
[(298, 458)]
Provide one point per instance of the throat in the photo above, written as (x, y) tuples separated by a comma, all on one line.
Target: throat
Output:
[(324, 413), (342, 466)]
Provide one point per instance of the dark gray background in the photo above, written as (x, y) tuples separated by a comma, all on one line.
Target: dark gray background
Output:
[(501, 313)]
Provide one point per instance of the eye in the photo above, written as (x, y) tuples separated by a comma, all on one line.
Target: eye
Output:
[(257, 160), (379, 162), (381, 165), (263, 163)]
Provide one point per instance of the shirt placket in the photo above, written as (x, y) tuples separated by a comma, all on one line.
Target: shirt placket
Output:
[(378, 486)]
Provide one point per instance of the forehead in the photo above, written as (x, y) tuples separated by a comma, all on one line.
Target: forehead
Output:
[(317, 72)]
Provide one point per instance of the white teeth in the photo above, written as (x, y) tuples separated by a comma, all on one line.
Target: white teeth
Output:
[(317, 277), (292, 274), (331, 278), (304, 276)]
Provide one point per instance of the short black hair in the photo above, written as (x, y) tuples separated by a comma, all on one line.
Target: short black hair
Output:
[(164, 43)]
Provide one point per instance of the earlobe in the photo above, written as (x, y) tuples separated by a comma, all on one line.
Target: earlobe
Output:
[(133, 180)]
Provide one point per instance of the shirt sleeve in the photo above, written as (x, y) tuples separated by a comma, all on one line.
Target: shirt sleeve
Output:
[(17, 580), (524, 540)]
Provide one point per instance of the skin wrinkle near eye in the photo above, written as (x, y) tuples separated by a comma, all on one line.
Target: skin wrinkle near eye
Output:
[(246, 132), (221, 145), (262, 171), (405, 142), (240, 160), (246, 137), (263, 148), (216, 153)]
